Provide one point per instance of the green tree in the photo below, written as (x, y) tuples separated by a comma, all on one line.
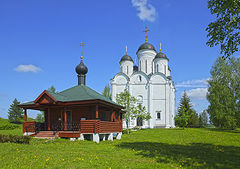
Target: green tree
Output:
[(141, 113), (193, 120), (223, 93), (15, 114), (182, 117), (132, 110), (203, 119), (40, 117), (185, 109), (107, 92), (225, 30), (52, 89), (126, 100)]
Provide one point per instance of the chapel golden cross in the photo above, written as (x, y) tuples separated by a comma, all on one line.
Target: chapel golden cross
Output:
[(146, 35), (81, 44)]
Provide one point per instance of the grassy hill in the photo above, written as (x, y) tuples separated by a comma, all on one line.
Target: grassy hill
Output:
[(152, 148)]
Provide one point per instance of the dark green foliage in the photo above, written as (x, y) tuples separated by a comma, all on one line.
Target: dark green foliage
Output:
[(15, 114), (224, 93), (5, 125), (226, 29), (186, 116), (193, 120), (107, 92), (8, 126), (14, 139), (52, 89), (203, 119), (40, 117)]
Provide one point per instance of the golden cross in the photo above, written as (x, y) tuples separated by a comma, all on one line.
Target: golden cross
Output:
[(160, 47), (126, 49), (146, 35), (81, 44)]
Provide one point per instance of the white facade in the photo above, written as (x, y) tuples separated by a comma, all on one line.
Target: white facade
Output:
[(151, 84)]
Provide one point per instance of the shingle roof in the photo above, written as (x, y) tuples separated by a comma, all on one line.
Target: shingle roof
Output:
[(77, 93)]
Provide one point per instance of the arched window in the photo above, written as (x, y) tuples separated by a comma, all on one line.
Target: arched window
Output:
[(157, 68), (158, 115), (121, 69), (127, 69), (165, 69), (140, 65)]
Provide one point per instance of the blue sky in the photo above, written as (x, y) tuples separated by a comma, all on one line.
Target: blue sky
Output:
[(39, 43)]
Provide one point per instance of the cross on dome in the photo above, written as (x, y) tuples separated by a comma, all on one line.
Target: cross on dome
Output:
[(146, 35), (82, 44)]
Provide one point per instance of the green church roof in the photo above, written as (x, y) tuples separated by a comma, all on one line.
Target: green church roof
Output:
[(77, 93)]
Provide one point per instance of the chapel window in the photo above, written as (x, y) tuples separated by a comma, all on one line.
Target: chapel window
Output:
[(127, 69), (165, 69), (157, 68)]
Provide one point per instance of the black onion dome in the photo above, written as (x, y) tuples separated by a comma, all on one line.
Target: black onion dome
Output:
[(81, 69), (161, 55), (146, 45), (126, 57)]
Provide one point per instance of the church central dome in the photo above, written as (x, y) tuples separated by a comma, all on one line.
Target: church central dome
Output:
[(146, 45)]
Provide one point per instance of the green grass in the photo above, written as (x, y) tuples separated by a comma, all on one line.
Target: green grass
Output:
[(152, 148)]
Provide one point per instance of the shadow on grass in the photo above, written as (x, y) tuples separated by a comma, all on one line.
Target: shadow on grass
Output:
[(196, 155), (223, 130)]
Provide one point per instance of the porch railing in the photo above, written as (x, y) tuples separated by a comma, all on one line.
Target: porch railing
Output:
[(84, 126)]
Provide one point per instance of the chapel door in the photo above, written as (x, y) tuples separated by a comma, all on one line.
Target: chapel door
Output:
[(68, 120)]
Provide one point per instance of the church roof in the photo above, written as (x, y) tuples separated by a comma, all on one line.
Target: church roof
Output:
[(146, 45), (76, 93), (126, 57), (161, 55)]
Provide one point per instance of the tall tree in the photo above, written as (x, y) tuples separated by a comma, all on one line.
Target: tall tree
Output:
[(52, 89), (194, 119), (126, 100), (185, 112), (107, 92), (223, 93), (225, 30), (15, 114), (203, 119)]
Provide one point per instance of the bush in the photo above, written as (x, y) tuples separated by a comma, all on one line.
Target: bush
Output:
[(8, 126), (14, 139)]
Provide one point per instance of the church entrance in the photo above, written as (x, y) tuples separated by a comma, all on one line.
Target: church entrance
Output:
[(139, 121)]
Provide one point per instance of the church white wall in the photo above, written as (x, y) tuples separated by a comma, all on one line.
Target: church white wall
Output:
[(162, 65), (146, 56), (157, 93), (127, 67)]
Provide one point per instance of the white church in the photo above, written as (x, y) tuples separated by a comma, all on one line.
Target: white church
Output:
[(151, 83)]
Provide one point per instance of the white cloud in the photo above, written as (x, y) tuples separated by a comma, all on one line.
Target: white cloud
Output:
[(193, 83), (145, 11), (27, 68), (198, 93)]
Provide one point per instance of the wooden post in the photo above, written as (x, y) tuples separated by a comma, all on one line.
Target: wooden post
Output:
[(65, 119), (97, 112), (119, 116), (112, 115), (49, 123), (25, 114)]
